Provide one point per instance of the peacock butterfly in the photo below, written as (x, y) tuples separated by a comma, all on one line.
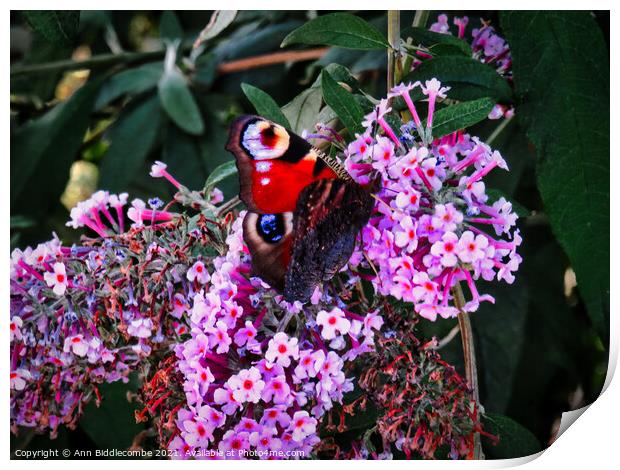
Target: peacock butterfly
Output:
[(304, 210)]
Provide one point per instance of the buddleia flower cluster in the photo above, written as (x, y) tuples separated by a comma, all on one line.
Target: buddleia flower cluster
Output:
[(487, 46), (434, 225), (228, 369)]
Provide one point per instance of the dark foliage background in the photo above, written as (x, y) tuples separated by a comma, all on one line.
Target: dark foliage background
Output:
[(542, 349)]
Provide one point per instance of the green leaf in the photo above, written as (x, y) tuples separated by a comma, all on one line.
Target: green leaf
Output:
[(265, 105), (58, 27), (561, 76), (342, 102), (338, 29), (112, 425), (206, 69), (514, 440), (50, 143), (460, 116), (132, 81), (437, 43), (220, 173), (169, 26), (179, 103), (303, 111), (219, 21), (468, 78), (131, 139)]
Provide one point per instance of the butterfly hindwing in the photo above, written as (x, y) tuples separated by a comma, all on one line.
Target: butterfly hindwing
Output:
[(268, 237), (274, 165), (328, 216)]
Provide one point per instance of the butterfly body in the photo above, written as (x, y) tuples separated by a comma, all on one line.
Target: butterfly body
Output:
[(304, 210)]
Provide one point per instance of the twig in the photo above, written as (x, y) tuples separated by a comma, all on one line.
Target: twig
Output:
[(469, 355), (271, 59), (498, 130), (393, 52), (443, 342)]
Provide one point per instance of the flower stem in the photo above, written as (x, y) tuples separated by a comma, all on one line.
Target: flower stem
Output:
[(393, 51), (469, 354)]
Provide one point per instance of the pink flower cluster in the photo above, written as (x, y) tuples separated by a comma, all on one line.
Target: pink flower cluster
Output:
[(488, 47), (58, 355), (252, 388), (434, 225)]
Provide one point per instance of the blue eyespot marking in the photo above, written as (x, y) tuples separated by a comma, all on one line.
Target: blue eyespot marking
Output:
[(270, 227)]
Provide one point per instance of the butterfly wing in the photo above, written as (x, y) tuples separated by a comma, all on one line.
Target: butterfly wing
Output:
[(328, 216), (268, 237), (274, 165)]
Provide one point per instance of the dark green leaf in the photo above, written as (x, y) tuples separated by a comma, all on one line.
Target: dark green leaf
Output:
[(265, 105), (499, 332), (338, 29), (460, 115), (112, 425), (468, 78), (561, 75), (206, 69), (131, 139), (51, 142), (132, 81), (514, 440), (179, 103), (437, 43), (169, 26), (219, 174), (343, 103), (59, 27)]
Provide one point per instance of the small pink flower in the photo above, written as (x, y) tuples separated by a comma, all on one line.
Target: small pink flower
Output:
[(277, 390), (302, 425), (136, 211), (246, 334), (140, 328), (15, 325), (247, 385), (447, 217), (57, 280), (219, 338), (77, 345), (281, 349), (405, 236), (19, 378), (158, 169), (472, 248), (333, 323), (198, 272), (447, 249)]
